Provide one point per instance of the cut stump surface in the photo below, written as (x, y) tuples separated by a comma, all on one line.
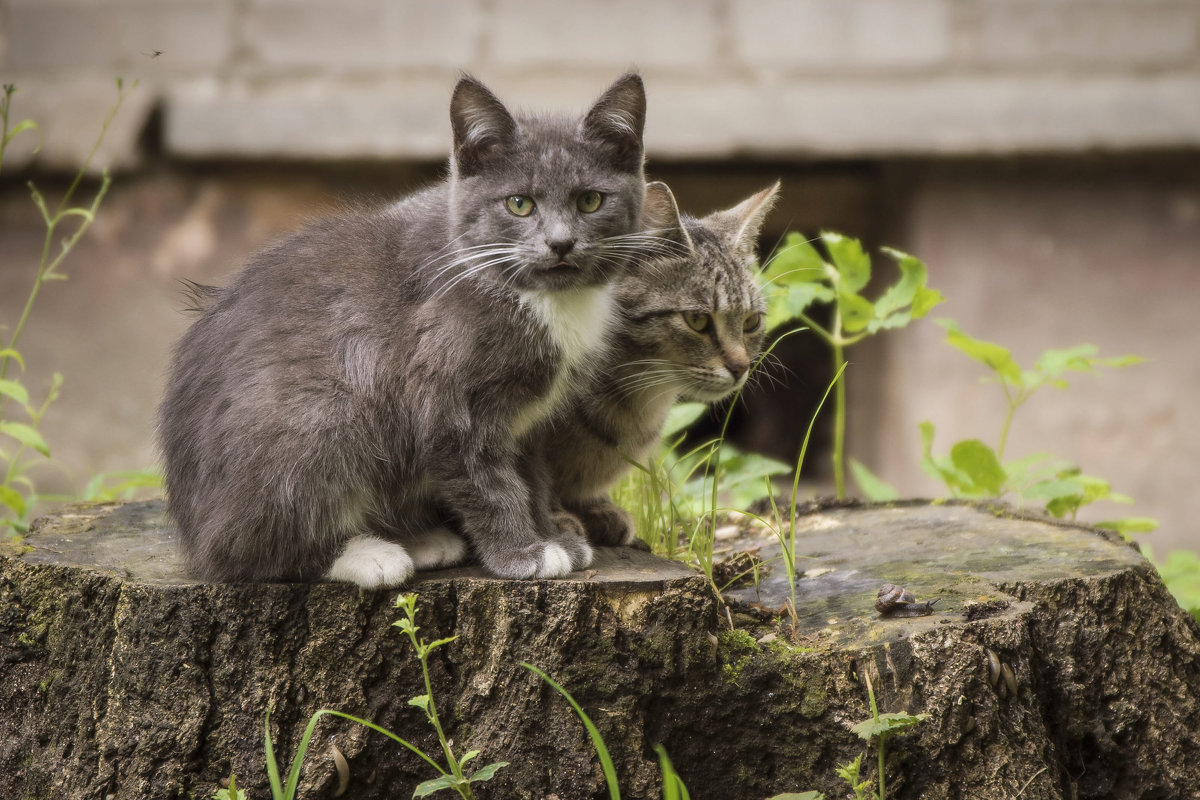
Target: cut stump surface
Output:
[(1055, 665)]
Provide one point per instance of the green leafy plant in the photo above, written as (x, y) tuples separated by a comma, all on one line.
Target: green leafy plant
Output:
[(22, 445), (798, 277), (974, 468), (452, 776), (851, 773), (876, 730), (456, 778)]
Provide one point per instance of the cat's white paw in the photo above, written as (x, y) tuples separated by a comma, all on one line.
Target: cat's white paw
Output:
[(555, 561), (372, 563), (436, 547), (582, 556)]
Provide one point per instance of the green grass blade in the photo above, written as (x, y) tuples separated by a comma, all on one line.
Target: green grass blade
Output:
[(289, 790), (397, 739), (673, 788), (272, 765), (610, 772), (791, 546)]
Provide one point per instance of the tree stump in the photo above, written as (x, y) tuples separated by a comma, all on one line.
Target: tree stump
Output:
[(1054, 665)]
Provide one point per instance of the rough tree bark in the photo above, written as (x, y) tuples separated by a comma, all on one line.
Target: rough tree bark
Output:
[(124, 678)]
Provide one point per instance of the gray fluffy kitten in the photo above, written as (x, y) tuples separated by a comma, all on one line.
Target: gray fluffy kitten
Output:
[(365, 386), (691, 324)]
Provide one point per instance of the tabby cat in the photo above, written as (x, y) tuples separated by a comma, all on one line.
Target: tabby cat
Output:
[(365, 387), (691, 325)]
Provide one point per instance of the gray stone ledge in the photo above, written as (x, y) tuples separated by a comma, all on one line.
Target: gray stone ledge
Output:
[(406, 117), (806, 118)]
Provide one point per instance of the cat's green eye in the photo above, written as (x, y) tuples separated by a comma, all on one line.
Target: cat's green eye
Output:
[(589, 201), (519, 204), (752, 323), (697, 320)]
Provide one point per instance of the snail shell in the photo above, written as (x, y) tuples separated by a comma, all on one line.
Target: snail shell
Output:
[(343, 770), (993, 665), (1010, 679), (896, 601)]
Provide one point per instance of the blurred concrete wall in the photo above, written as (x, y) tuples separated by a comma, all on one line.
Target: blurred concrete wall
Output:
[(1043, 156), (325, 79)]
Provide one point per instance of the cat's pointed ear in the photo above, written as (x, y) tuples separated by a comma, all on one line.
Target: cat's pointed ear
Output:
[(618, 119), (741, 225), (481, 126), (660, 215)]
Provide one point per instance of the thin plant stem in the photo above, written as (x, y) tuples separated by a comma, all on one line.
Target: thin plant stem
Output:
[(1013, 404), (837, 343), (837, 379), (839, 422), (46, 267), (451, 761), (880, 746)]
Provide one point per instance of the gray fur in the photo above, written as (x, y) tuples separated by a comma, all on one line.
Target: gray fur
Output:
[(364, 378), (656, 358)]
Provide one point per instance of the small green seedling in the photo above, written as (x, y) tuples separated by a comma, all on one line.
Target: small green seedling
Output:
[(877, 729), (232, 793), (22, 445), (974, 468), (798, 277), (452, 776)]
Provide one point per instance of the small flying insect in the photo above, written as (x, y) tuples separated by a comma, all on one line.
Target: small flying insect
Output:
[(153, 54)]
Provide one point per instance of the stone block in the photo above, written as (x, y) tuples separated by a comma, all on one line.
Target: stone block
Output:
[(619, 34), (1086, 32), (374, 34), (311, 119), (837, 35), (943, 116), (52, 35), (688, 119)]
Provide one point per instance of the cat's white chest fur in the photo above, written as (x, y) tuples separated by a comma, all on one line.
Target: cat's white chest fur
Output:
[(578, 322)]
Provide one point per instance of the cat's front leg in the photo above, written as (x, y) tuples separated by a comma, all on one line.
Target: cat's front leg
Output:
[(436, 547), (606, 523), (568, 530), (493, 501)]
